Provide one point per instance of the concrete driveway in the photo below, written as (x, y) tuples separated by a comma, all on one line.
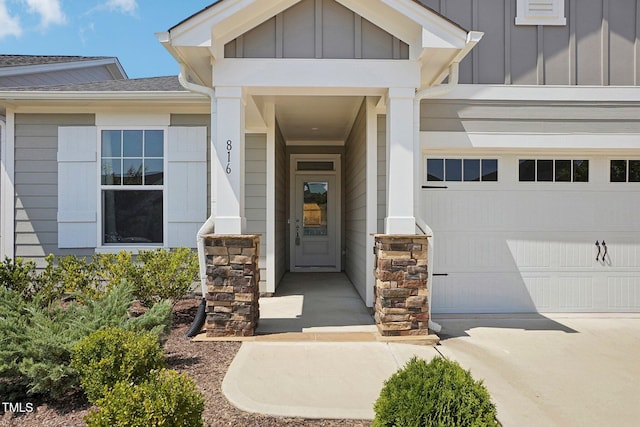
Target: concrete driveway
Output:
[(554, 370)]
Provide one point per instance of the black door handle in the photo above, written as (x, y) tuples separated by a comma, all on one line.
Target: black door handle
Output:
[(599, 248), (606, 250)]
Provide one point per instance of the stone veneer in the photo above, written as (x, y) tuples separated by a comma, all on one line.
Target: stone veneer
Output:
[(233, 279), (401, 293)]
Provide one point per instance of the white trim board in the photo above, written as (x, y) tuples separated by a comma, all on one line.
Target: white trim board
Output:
[(543, 93)]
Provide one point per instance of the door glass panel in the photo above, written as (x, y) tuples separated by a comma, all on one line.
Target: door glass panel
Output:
[(315, 208)]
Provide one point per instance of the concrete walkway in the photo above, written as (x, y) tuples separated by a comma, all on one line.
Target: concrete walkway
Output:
[(540, 371)]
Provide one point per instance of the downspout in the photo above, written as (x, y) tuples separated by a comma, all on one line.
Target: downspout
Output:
[(473, 37), (209, 225)]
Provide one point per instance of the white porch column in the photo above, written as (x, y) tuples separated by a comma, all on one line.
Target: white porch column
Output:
[(229, 167), (400, 169)]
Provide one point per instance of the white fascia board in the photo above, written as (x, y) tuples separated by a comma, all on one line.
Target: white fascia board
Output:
[(528, 141), (47, 68), (344, 73), (544, 93)]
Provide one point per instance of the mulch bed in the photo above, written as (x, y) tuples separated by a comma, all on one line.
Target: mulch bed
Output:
[(205, 362)]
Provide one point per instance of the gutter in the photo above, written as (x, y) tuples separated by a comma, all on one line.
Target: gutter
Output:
[(209, 225), (473, 37)]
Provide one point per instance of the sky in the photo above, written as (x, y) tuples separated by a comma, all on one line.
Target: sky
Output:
[(122, 28)]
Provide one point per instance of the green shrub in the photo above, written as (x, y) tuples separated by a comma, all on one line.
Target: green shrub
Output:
[(111, 269), (439, 393), (166, 399), (37, 339), (111, 355), (18, 275), (165, 275)]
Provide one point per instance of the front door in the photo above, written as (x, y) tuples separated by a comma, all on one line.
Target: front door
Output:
[(315, 243)]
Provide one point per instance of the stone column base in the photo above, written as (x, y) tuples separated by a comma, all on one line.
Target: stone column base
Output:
[(233, 279), (401, 293)]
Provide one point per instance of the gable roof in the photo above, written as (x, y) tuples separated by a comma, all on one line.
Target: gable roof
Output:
[(27, 60), (149, 84)]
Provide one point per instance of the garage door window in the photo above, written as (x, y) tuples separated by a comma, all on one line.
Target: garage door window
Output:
[(546, 170), (459, 170), (625, 171)]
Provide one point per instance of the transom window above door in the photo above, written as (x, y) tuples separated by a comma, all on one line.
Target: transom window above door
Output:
[(462, 170)]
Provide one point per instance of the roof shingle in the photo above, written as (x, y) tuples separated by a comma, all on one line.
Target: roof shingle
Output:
[(26, 60), (150, 84)]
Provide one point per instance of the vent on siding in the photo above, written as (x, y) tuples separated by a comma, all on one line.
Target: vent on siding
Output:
[(540, 12)]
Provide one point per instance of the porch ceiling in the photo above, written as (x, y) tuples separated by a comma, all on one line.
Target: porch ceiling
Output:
[(316, 118)]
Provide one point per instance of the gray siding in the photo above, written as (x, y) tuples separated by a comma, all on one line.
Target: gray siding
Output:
[(598, 46), (317, 29), (36, 183), (382, 172), (356, 203), (282, 207), (80, 75), (529, 117), (255, 198)]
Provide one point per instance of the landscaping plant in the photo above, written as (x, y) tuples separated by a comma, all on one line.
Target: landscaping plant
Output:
[(439, 393), (166, 399), (111, 355), (37, 338)]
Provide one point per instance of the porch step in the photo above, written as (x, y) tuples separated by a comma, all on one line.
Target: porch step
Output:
[(431, 339)]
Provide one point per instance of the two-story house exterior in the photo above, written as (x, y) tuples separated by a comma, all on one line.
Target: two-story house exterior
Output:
[(509, 129)]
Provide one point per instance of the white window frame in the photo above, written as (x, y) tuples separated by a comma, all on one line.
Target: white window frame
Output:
[(133, 247), (541, 12), (553, 183), (432, 156), (626, 159)]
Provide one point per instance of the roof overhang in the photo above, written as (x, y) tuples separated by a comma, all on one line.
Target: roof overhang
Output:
[(112, 64), (434, 41)]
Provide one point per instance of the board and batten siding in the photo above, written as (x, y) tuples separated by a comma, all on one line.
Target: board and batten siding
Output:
[(36, 183), (255, 197), (317, 29), (598, 45), (356, 203), (281, 203)]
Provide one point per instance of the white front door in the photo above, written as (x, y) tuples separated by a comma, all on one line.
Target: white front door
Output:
[(314, 221)]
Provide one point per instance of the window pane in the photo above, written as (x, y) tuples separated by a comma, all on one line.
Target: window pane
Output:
[(545, 170), (618, 171), (132, 216), (453, 169), (634, 170), (472, 169), (111, 143), (435, 169), (153, 172), (315, 208), (315, 166), (132, 171), (489, 169), (153, 143), (581, 171), (132, 143), (527, 170), (111, 172), (563, 170)]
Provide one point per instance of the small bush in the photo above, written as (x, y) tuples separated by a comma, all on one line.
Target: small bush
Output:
[(18, 275), (37, 339), (439, 393), (111, 355), (166, 399), (165, 275)]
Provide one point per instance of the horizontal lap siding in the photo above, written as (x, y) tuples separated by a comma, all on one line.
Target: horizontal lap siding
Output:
[(356, 203), (281, 192), (256, 195), (36, 183), (382, 172)]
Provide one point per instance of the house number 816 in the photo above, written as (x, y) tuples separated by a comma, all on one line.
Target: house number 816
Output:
[(229, 147)]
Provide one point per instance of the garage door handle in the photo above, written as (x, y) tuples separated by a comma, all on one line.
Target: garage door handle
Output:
[(606, 250), (599, 248)]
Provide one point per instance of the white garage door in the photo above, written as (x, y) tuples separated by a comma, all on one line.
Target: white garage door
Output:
[(510, 245)]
